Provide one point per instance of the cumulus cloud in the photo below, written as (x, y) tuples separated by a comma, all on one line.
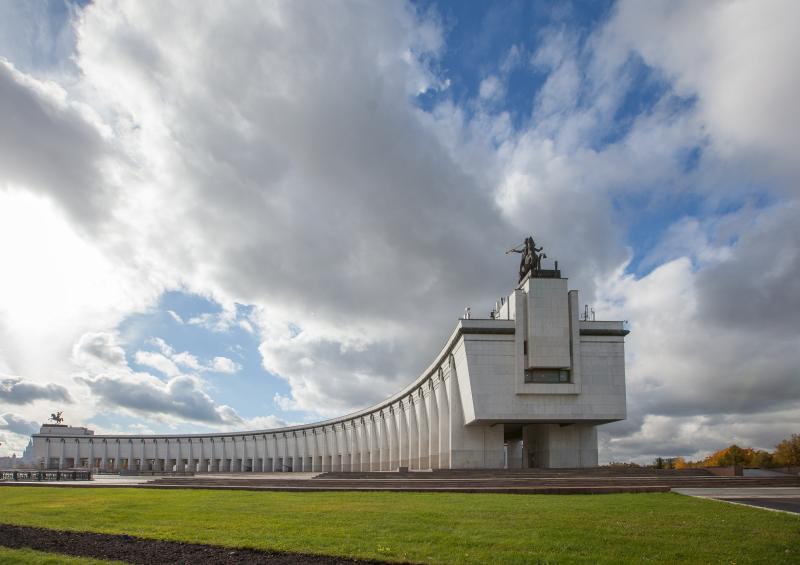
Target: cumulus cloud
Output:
[(113, 383), (42, 124), (736, 57), (180, 398), (303, 179), (16, 424), (169, 362), (14, 390)]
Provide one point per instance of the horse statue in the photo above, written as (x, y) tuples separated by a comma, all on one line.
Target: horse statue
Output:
[(531, 256)]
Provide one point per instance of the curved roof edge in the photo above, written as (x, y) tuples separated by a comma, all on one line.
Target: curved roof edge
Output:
[(464, 326)]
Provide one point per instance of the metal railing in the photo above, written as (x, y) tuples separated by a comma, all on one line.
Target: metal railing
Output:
[(48, 475)]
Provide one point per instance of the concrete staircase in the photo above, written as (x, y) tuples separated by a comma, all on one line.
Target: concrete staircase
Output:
[(562, 481)]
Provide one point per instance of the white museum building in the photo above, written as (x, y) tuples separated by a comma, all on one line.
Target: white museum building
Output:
[(525, 388)]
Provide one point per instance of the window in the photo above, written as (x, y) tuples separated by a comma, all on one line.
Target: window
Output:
[(547, 376)]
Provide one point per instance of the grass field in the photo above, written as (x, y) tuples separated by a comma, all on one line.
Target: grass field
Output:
[(30, 557), (427, 527)]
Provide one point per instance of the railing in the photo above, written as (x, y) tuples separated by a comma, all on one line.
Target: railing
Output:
[(49, 475)]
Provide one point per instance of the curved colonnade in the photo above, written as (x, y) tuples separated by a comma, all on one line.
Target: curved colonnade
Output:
[(410, 429), (527, 387)]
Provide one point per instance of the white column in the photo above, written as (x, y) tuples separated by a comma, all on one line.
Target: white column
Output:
[(422, 428), (413, 434), (336, 464), (105, 455), (285, 466), (386, 444), (313, 450), (402, 434), (363, 459), (61, 456), (176, 449), (355, 463), (324, 438), (433, 426), (394, 438), (375, 442), (347, 439), (371, 442), (456, 417), (359, 434), (303, 439), (297, 466), (444, 423)]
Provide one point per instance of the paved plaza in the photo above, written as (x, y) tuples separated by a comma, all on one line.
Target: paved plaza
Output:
[(786, 499)]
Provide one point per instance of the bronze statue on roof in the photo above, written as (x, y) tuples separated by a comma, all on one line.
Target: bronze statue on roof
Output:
[(531, 259)]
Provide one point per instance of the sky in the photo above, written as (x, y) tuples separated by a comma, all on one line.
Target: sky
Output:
[(244, 215)]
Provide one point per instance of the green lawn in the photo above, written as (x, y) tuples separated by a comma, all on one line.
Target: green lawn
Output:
[(427, 527), (30, 557)]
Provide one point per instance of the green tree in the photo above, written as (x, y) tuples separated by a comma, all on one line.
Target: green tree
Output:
[(761, 459), (787, 452)]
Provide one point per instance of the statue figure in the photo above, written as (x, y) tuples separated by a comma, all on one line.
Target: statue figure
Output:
[(57, 418), (531, 257)]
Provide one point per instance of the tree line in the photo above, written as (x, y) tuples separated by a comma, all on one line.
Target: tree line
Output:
[(786, 454)]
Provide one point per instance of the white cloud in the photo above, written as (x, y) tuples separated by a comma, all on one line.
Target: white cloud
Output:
[(157, 361), (224, 365), (169, 362), (114, 384), (738, 58), (491, 88), (14, 390), (302, 179)]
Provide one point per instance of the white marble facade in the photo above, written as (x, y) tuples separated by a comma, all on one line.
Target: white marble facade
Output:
[(526, 388)]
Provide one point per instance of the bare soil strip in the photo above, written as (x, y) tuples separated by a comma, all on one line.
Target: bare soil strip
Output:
[(146, 551)]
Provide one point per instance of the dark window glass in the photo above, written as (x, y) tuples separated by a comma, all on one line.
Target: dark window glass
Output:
[(547, 376)]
